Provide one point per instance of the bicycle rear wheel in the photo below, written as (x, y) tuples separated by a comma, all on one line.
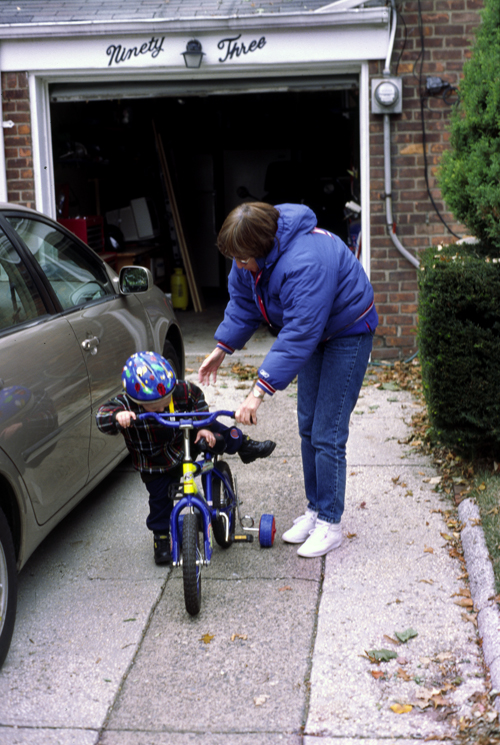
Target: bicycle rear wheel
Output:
[(221, 498), (191, 570)]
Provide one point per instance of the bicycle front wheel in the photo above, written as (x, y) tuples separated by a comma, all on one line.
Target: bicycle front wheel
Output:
[(191, 569)]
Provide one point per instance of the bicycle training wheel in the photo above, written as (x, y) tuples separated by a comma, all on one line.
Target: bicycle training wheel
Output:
[(191, 570), (267, 531), (222, 498)]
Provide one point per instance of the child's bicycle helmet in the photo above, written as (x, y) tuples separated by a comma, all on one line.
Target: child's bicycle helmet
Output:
[(147, 376)]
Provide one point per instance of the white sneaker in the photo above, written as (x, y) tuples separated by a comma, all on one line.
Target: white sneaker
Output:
[(322, 539), (301, 527)]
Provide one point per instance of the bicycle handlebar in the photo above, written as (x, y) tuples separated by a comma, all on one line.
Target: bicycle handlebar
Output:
[(187, 418)]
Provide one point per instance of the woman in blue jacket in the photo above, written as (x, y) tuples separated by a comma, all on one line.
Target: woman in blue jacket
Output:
[(307, 285)]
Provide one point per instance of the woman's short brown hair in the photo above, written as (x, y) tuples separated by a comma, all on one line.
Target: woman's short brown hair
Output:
[(248, 231)]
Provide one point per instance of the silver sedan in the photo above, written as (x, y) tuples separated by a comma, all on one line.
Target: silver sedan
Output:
[(68, 322)]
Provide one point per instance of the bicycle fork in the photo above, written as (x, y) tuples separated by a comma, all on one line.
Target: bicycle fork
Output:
[(194, 503)]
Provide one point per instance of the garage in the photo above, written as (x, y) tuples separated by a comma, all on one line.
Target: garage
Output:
[(289, 140), (148, 133)]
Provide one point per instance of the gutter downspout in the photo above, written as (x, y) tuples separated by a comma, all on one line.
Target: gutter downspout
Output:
[(3, 173), (391, 228)]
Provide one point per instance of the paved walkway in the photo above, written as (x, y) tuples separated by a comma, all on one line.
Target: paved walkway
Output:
[(398, 572)]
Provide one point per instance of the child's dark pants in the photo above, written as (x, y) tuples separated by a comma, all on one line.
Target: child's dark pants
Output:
[(160, 503)]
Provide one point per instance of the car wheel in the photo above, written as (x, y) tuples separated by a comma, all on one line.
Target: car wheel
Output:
[(170, 355), (8, 587)]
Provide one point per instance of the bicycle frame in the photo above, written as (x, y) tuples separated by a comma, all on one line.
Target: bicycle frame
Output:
[(191, 498)]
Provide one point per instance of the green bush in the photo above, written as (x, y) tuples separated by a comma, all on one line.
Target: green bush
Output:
[(469, 176), (459, 347)]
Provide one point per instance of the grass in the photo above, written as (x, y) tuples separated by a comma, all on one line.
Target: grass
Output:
[(485, 490)]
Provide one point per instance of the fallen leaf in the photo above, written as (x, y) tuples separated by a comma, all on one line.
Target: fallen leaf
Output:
[(260, 700), (207, 638), (404, 636), (389, 386), (391, 640), (465, 602), (482, 487), (401, 708), (427, 581), (463, 592), (438, 700), (380, 655), (377, 674), (403, 674), (443, 656), (428, 550), (352, 535), (239, 636), (286, 587), (362, 505)]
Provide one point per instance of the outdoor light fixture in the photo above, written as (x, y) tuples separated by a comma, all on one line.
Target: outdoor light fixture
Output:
[(193, 54)]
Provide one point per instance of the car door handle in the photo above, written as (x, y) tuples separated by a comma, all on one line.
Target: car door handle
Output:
[(90, 344)]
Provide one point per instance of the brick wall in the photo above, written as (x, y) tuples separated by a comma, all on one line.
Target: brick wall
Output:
[(18, 150), (448, 28)]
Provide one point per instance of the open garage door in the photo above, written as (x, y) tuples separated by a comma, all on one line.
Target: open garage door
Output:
[(274, 140)]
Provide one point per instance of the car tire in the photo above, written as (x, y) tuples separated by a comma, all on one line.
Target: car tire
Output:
[(8, 587), (170, 355)]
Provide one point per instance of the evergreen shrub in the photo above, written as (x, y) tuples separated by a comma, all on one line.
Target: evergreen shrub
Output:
[(470, 171), (459, 344)]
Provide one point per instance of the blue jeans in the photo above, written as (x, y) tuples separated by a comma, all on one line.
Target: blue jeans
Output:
[(328, 388)]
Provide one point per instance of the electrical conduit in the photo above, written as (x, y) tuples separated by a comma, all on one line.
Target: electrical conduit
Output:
[(387, 155)]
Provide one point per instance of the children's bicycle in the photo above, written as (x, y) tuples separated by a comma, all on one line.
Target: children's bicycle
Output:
[(210, 513)]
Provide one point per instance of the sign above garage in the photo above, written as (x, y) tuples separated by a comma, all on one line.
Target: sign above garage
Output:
[(343, 35)]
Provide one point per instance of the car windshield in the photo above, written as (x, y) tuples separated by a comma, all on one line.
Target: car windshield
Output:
[(73, 276)]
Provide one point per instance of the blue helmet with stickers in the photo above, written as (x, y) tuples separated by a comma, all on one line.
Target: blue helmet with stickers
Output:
[(147, 377)]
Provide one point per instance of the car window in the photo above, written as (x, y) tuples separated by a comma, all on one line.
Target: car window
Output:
[(74, 277), (20, 300)]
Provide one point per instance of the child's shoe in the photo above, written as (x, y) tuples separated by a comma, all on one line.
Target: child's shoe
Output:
[(162, 549), (250, 450), (324, 538), (301, 527)]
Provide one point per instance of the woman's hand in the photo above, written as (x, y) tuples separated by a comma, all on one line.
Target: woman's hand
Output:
[(208, 435), (210, 366), (247, 413), (125, 418)]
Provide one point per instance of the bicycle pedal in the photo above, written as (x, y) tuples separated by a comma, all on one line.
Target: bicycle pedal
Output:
[(243, 538)]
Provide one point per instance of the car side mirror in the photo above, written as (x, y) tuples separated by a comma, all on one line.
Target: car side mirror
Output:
[(135, 279)]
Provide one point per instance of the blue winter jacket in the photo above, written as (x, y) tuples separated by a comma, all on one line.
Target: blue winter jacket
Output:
[(310, 286)]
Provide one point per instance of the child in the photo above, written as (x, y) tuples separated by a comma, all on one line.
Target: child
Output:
[(150, 385)]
